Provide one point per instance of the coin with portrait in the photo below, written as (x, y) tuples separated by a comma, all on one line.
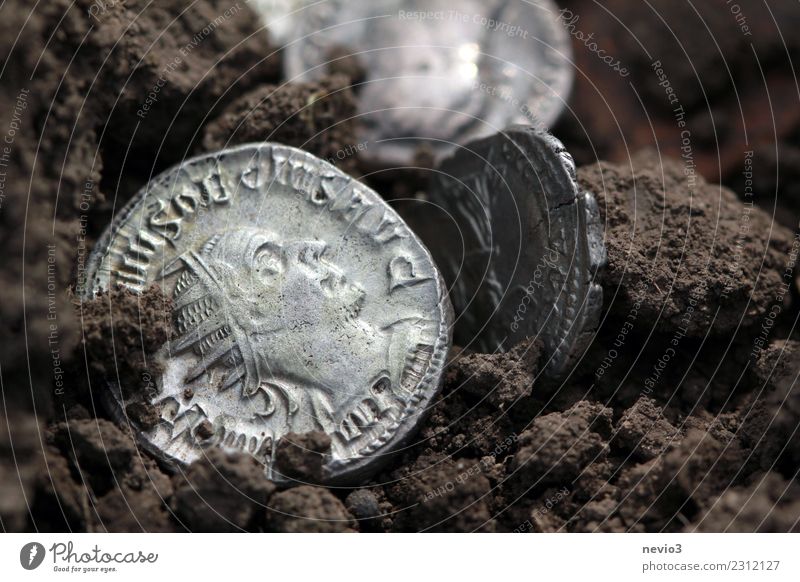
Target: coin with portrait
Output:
[(302, 302)]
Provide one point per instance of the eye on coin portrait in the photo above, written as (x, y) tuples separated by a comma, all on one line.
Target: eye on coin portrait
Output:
[(302, 302)]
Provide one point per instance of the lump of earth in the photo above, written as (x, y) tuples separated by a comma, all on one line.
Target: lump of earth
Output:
[(770, 416), (643, 430), (673, 252), (42, 258), (101, 481), (558, 446), (221, 493), (769, 504), (437, 493), (316, 117), (123, 330), (664, 494), (21, 462), (302, 457), (364, 506), (503, 378), (307, 509), (162, 67)]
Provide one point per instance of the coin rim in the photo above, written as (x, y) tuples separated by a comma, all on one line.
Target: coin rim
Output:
[(590, 239)]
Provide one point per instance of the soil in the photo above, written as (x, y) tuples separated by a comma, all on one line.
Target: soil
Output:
[(301, 457), (681, 416), (316, 117), (729, 71), (121, 332)]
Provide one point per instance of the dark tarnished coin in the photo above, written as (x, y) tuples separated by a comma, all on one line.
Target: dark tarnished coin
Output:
[(438, 73), (302, 302), (525, 247)]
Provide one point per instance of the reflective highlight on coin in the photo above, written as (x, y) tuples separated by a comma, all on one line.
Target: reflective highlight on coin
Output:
[(302, 302), (525, 247), (439, 73)]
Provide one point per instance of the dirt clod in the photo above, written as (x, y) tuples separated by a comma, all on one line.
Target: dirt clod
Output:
[(437, 493), (303, 457), (317, 117), (307, 509), (559, 445), (643, 430), (221, 492), (693, 258), (770, 503), (364, 506)]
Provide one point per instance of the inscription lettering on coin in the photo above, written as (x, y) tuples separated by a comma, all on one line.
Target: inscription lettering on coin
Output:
[(301, 302)]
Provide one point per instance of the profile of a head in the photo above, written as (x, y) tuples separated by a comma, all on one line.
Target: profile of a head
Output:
[(252, 304), (270, 333), (271, 285)]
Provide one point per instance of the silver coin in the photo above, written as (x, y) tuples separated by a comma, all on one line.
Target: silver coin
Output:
[(525, 246), (439, 72), (278, 16), (302, 302)]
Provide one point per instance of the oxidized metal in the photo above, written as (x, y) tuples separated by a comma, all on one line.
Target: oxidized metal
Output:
[(302, 302), (439, 73), (526, 246)]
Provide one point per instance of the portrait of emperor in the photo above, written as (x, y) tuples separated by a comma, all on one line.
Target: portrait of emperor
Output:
[(277, 328)]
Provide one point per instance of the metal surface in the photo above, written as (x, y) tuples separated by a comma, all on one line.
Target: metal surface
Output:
[(524, 248), (302, 302), (439, 72)]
